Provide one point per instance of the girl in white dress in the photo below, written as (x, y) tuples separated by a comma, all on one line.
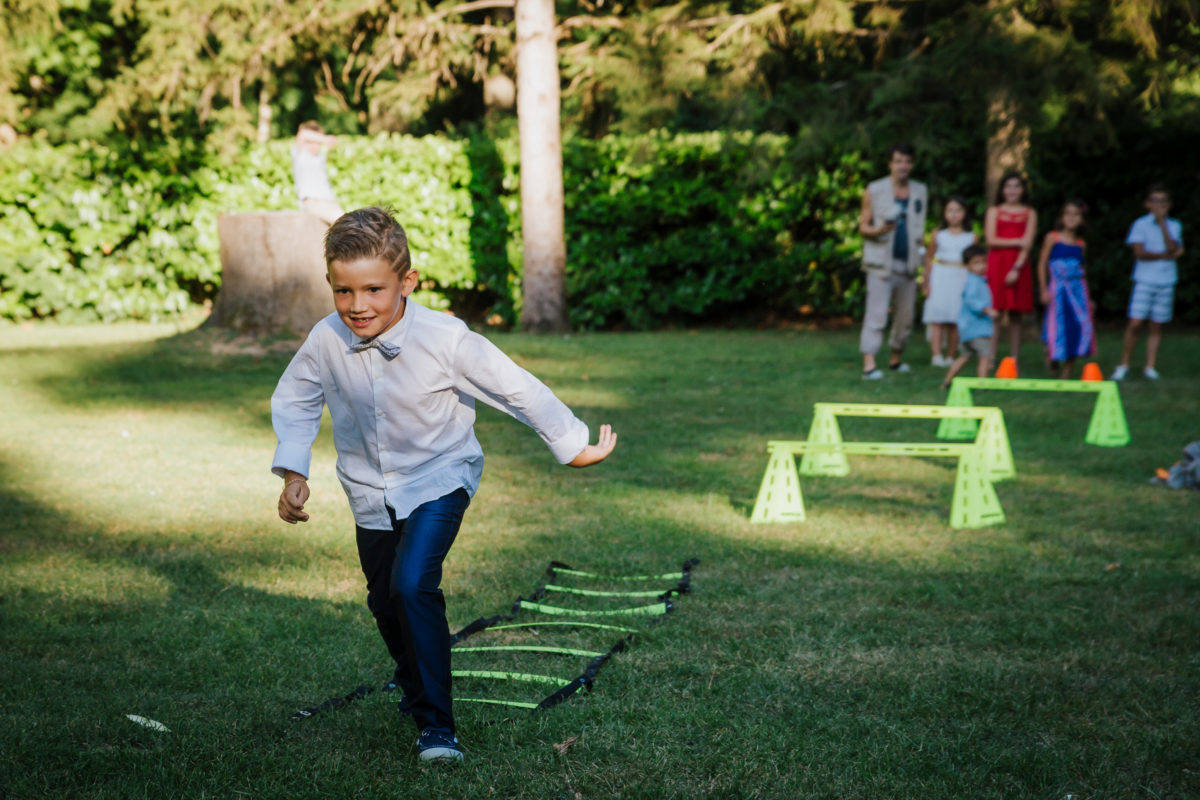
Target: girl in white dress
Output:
[(945, 277)]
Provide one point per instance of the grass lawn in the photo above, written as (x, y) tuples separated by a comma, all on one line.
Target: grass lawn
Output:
[(869, 652)]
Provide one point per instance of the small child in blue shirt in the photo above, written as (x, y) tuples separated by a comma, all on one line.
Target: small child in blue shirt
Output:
[(401, 382), (1157, 242), (975, 325)]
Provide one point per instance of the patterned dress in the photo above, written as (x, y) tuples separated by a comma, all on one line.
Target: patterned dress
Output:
[(1067, 329), (1018, 297)]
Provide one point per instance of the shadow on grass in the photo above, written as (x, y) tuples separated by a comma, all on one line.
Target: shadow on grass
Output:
[(96, 626)]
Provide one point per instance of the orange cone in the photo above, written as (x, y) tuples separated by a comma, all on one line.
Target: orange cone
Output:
[(1091, 372), (1007, 368)]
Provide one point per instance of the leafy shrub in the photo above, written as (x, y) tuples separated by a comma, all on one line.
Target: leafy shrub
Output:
[(661, 229), (89, 233), (82, 239), (695, 227)]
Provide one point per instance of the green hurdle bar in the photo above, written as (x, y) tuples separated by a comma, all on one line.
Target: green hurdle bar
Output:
[(975, 504), (1107, 427), (992, 437)]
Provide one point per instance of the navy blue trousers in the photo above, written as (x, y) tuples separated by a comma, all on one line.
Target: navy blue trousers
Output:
[(403, 568)]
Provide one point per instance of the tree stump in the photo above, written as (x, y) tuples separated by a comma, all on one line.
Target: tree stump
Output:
[(272, 273)]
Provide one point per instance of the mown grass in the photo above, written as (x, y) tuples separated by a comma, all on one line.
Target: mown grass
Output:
[(869, 652)]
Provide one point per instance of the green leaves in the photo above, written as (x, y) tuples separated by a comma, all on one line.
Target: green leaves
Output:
[(665, 229), (92, 233), (661, 229)]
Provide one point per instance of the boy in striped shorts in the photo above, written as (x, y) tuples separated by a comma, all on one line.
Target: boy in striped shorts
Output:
[(1157, 242)]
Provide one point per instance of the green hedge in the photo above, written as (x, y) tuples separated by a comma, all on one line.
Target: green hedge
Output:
[(702, 227), (661, 229), (87, 235)]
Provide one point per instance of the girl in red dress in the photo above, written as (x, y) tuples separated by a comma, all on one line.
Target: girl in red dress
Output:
[(1009, 229)]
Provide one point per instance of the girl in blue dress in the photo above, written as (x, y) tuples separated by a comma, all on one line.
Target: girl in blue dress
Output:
[(1067, 329)]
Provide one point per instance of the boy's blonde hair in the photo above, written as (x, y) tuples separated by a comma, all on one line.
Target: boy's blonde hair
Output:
[(370, 232), (311, 125)]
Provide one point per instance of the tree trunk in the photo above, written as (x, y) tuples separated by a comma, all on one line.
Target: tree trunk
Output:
[(538, 110), (264, 113), (272, 273), (1008, 141), (1008, 135)]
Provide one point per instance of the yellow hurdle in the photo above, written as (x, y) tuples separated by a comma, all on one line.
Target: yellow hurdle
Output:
[(974, 505), (988, 420), (1107, 427)]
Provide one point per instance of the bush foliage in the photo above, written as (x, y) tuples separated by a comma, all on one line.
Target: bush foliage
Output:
[(691, 227), (89, 233), (662, 229)]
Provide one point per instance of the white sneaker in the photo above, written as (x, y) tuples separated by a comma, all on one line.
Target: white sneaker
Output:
[(1151, 373), (940, 361), (1120, 372), (901, 367), (873, 375)]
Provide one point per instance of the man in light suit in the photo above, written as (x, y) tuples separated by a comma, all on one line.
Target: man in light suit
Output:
[(892, 223)]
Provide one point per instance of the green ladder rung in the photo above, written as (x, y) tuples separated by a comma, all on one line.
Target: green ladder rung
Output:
[(571, 624), (522, 677), (652, 609), (526, 648), (489, 701), (554, 587)]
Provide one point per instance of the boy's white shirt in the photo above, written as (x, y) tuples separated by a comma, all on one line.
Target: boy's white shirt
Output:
[(1148, 233), (403, 428), (310, 175)]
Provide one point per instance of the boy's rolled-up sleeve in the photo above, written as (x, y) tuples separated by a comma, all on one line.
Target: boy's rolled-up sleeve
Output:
[(483, 371), (1137, 234), (296, 406)]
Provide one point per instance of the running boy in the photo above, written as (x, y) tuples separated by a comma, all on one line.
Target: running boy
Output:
[(1157, 242), (401, 383), (975, 326)]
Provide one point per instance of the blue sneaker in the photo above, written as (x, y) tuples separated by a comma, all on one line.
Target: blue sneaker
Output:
[(435, 746)]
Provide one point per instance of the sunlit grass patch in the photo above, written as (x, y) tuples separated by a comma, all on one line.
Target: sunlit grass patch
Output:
[(71, 574)]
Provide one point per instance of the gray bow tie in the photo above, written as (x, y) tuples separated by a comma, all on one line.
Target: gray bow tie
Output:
[(388, 349)]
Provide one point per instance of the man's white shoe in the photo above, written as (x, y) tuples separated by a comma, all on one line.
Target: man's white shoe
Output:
[(1120, 372), (1151, 373)]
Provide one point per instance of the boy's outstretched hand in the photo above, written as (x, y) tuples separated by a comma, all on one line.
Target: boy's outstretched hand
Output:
[(292, 499), (592, 454)]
